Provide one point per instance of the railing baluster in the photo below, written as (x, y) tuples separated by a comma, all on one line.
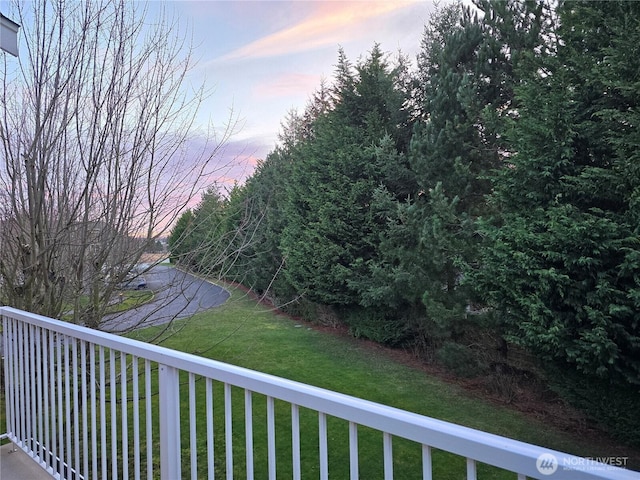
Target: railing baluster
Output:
[(148, 417), (16, 381), (193, 444), (44, 395), (26, 387), (76, 407), (113, 397), (60, 393), (295, 440), (210, 430), (9, 369), (228, 431), (427, 467), (67, 406), (136, 415), (271, 437), (322, 445), (94, 428), (85, 424), (471, 469), (353, 451), (53, 454), (124, 416), (17, 387), (248, 430), (20, 365), (169, 411), (387, 452), (42, 407), (31, 390), (103, 412)]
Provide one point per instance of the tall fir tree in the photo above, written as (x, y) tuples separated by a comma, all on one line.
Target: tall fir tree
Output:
[(430, 234), (330, 232), (562, 259)]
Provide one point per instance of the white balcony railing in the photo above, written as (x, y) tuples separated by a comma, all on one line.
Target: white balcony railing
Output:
[(85, 404)]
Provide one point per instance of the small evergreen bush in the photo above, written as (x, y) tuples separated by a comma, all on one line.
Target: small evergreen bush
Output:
[(460, 360), (375, 325)]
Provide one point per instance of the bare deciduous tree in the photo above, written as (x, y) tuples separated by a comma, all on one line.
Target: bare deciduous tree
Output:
[(96, 122)]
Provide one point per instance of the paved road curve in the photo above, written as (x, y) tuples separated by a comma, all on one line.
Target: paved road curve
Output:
[(177, 295)]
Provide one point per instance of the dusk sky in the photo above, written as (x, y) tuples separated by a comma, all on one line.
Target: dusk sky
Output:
[(264, 58)]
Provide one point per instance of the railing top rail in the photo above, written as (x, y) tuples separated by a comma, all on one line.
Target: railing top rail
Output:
[(481, 446)]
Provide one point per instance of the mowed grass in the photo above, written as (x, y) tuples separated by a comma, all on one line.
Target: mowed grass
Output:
[(247, 334)]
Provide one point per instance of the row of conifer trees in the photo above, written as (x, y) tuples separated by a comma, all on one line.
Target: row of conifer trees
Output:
[(482, 203)]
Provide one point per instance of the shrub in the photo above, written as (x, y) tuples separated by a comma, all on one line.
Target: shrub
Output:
[(376, 325), (460, 359), (615, 407)]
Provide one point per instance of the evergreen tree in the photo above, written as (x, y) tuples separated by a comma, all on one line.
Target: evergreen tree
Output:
[(201, 239), (180, 238), (430, 233), (449, 161), (330, 233), (562, 260), (263, 198)]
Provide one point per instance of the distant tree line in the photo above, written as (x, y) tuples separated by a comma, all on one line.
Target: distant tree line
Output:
[(484, 203)]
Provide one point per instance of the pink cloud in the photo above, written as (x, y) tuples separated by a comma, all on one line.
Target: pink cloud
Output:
[(287, 84), (330, 23)]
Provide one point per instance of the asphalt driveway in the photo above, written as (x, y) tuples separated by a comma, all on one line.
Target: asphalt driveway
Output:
[(177, 295)]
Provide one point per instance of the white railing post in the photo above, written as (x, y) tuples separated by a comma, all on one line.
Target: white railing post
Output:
[(169, 409), (7, 384)]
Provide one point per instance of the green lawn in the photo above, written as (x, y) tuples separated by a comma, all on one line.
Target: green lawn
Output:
[(128, 299), (249, 335), (122, 301)]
